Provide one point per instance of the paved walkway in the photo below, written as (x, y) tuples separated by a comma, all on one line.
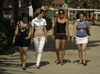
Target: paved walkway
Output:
[(10, 61)]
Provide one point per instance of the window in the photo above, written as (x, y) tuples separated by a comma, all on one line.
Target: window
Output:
[(56, 5), (53, 5), (60, 5)]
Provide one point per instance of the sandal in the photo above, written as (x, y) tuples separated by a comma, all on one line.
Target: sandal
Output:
[(79, 63), (62, 63), (24, 68), (38, 67), (57, 62), (85, 64)]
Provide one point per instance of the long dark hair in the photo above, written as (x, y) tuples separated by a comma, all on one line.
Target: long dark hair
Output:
[(24, 15), (37, 12)]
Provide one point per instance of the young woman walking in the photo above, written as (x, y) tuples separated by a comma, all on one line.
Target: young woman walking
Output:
[(81, 37), (23, 33), (61, 25), (40, 34)]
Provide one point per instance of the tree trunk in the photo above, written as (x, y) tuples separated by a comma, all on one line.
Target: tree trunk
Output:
[(1, 8), (15, 7)]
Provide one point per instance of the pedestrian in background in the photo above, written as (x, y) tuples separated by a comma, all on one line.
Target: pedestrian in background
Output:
[(74, 17)]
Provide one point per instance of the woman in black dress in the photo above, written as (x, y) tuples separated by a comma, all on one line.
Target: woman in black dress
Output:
[(23, 33)]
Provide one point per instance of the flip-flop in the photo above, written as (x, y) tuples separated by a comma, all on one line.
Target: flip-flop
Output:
[(62, 63), (24, 68), (57, 62), (79, 63), (38, 67), (85, 64)]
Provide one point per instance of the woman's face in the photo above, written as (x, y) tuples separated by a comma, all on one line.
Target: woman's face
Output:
[(41, 14), (81, 17), (24, 19), (61, 14)]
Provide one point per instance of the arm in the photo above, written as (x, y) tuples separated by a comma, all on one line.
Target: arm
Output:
[(29, 34), (16, 32), (74, 31), (88, 25), (67, 29), (53, 29), (45, 33), (32, 31)]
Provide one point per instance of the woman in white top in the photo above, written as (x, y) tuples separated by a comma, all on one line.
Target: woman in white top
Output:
[(40, 34)]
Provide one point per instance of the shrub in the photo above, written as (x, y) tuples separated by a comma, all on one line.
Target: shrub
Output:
[(89, 19), (6, 32), (48, 20), (68, 17), (3, 40)]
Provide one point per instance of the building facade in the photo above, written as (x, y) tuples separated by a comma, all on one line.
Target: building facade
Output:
[(57, 3)]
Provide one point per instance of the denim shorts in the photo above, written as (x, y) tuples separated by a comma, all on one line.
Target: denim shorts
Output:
[(61, 36)]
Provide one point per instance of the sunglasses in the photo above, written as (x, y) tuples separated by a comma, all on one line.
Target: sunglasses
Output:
[(61, 13)]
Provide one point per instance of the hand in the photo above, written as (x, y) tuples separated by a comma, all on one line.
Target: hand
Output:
[(52, 37), (46, 41), (72, 40), (88, 27), (13, 42), (27, 37), (68, 39), (31, 41)]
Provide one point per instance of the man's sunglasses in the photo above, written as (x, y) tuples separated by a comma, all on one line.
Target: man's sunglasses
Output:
[(61, 13)]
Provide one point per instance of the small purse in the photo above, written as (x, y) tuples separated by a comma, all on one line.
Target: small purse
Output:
[(88, 31)]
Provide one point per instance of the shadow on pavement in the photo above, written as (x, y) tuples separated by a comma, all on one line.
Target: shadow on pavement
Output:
[(76, 61), (3, 71), (43, 63), (29, 64), (64, 61)]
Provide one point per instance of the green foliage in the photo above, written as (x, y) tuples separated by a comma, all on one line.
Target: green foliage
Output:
[(89, 19), (46, 2), (48, 20), (3, 40), (68, 17), (6, 32), (85, 3), (72, 3)]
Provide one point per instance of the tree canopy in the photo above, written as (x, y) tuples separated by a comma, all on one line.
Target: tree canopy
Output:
[(85, 3)]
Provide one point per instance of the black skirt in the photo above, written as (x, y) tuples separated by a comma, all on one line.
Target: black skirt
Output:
[(22, 42)]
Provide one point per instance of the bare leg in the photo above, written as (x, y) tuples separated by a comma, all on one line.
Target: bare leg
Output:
[(84, 52), (21, 54), (80, 52), (63, 43), (24, 55), (57, 44)]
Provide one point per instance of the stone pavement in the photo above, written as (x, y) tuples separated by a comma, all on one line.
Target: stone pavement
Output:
[(10, 60)]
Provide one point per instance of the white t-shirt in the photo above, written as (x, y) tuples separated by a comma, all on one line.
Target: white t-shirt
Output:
[(38, 24)]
